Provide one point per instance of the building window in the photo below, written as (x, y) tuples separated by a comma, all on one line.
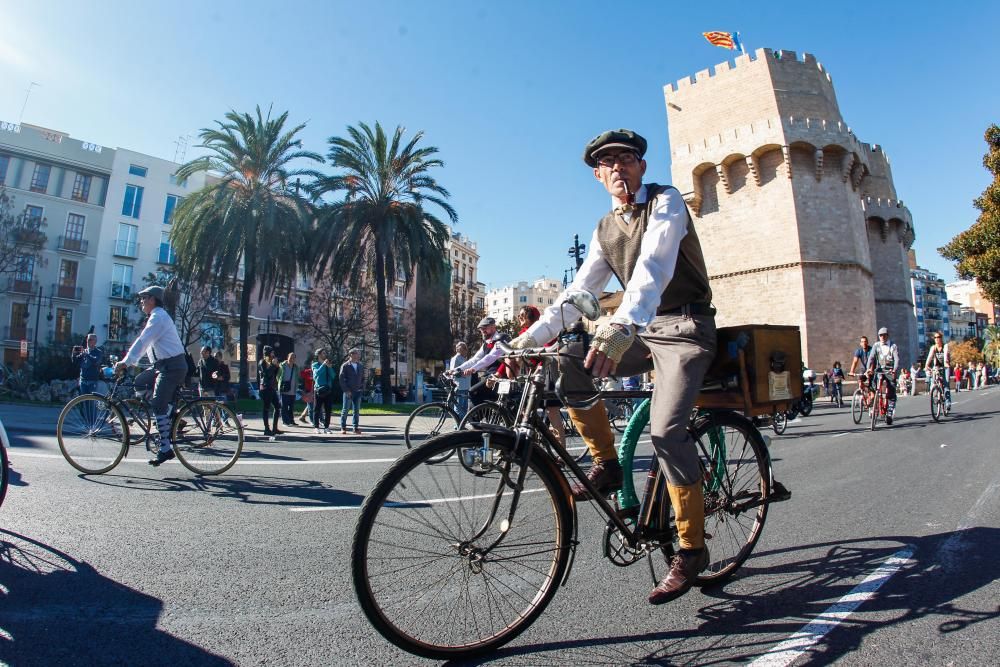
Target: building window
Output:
[(125, 244), (133, 201), (121, 281), (64, 325), (118, 323), (166, 255), (136, 170), (74, 228), (81, 187), (522, 299), (33, 215), (541, 300), (24, 268), (67, 274), (18, 321), (173, 201), (4, 163), (40, 178)]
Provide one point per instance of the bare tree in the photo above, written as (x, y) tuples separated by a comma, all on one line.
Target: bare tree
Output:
[(191, 303), (465, 320), (21, 238), (339, 317)]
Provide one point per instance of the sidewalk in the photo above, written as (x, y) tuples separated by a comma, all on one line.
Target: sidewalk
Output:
[(24, 418)]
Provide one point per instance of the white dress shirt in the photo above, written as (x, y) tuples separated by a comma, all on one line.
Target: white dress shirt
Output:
[(667, 227), (158, 340)]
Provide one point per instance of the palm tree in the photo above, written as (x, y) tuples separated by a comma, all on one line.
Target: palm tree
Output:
[(251, 219), (380, 230)]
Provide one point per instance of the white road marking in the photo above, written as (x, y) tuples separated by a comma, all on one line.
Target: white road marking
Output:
[(413, 503), (841, 435), (789, 650)]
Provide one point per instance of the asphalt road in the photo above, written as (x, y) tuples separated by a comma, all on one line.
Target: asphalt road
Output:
[(887, 553)]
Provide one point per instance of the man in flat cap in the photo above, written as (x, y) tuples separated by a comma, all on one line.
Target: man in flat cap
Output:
[(488, 357), (160, 343), (665, 323)]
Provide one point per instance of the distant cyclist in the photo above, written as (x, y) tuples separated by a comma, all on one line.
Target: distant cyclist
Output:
[(939, 357), (885, 357)]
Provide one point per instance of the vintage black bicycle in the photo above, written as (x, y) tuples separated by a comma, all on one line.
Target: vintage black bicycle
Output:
[(95, 430), (453, 560)]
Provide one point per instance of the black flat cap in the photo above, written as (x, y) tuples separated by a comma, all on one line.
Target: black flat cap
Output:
[(620, 138)]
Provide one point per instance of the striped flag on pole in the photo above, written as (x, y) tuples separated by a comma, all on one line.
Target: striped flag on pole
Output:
[(727, 40)]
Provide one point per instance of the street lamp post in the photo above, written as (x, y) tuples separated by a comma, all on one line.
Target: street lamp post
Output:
[(39, 300), (576, 251)]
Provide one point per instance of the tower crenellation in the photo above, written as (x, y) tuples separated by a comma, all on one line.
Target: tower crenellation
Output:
[(789, 202)]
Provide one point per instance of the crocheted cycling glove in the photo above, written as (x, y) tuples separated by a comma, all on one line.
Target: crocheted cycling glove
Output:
[(612, 341)]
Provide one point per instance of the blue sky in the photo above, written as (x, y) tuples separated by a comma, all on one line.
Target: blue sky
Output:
[(509, 92)]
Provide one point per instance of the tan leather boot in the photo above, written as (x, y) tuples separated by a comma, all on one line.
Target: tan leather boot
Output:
[(689, 516), (595, 429)]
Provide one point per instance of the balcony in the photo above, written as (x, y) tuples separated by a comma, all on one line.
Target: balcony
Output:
[(73, 245), (29, 235), (122, 291), (279, 313), (69, 292), (126, 249), (15, 332), (301, 315), (19, 286)]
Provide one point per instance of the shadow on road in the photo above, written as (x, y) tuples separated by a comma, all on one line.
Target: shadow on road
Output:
[(55, 610), (281, 491), (783, 598)]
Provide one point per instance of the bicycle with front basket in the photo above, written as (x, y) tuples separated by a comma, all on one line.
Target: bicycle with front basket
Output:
[(95, 430), (454, 560)]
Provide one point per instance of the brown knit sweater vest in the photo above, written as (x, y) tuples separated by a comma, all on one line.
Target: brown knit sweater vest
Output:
[(621, 242)]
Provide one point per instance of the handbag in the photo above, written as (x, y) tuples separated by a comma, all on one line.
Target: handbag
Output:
[(286, 386), (324, 391)]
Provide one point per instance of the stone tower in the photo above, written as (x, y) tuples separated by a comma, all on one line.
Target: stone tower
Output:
[(799, 221)]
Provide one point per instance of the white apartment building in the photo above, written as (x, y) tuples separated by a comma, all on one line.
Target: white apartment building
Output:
[(133, 240), (47, 297), (504, 302)]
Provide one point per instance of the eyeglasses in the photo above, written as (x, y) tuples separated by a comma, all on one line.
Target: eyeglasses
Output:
[(626, 159)]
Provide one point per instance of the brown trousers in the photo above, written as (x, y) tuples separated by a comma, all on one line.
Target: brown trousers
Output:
[(679, 348)]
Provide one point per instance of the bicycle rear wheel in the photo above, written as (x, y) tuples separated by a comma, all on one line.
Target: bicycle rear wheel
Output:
[(92, 434), (207, 437), (441, 566), (489, 413), (737, 486), (429, 421), (621, 414)]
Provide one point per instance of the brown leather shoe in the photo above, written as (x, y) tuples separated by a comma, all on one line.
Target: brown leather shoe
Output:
[(606, 476), (684, 567)]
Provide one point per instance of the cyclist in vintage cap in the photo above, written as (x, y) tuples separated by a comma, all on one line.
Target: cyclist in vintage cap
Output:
[(665, 323), (160, 343), (488, 356), (885, 357)]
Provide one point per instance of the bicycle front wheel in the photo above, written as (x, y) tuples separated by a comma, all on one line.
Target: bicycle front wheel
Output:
[(207, 437), (857, 406), (4, 472), (429, 421), (442, 564), (92, 434), (937, 404), (737, 486)]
